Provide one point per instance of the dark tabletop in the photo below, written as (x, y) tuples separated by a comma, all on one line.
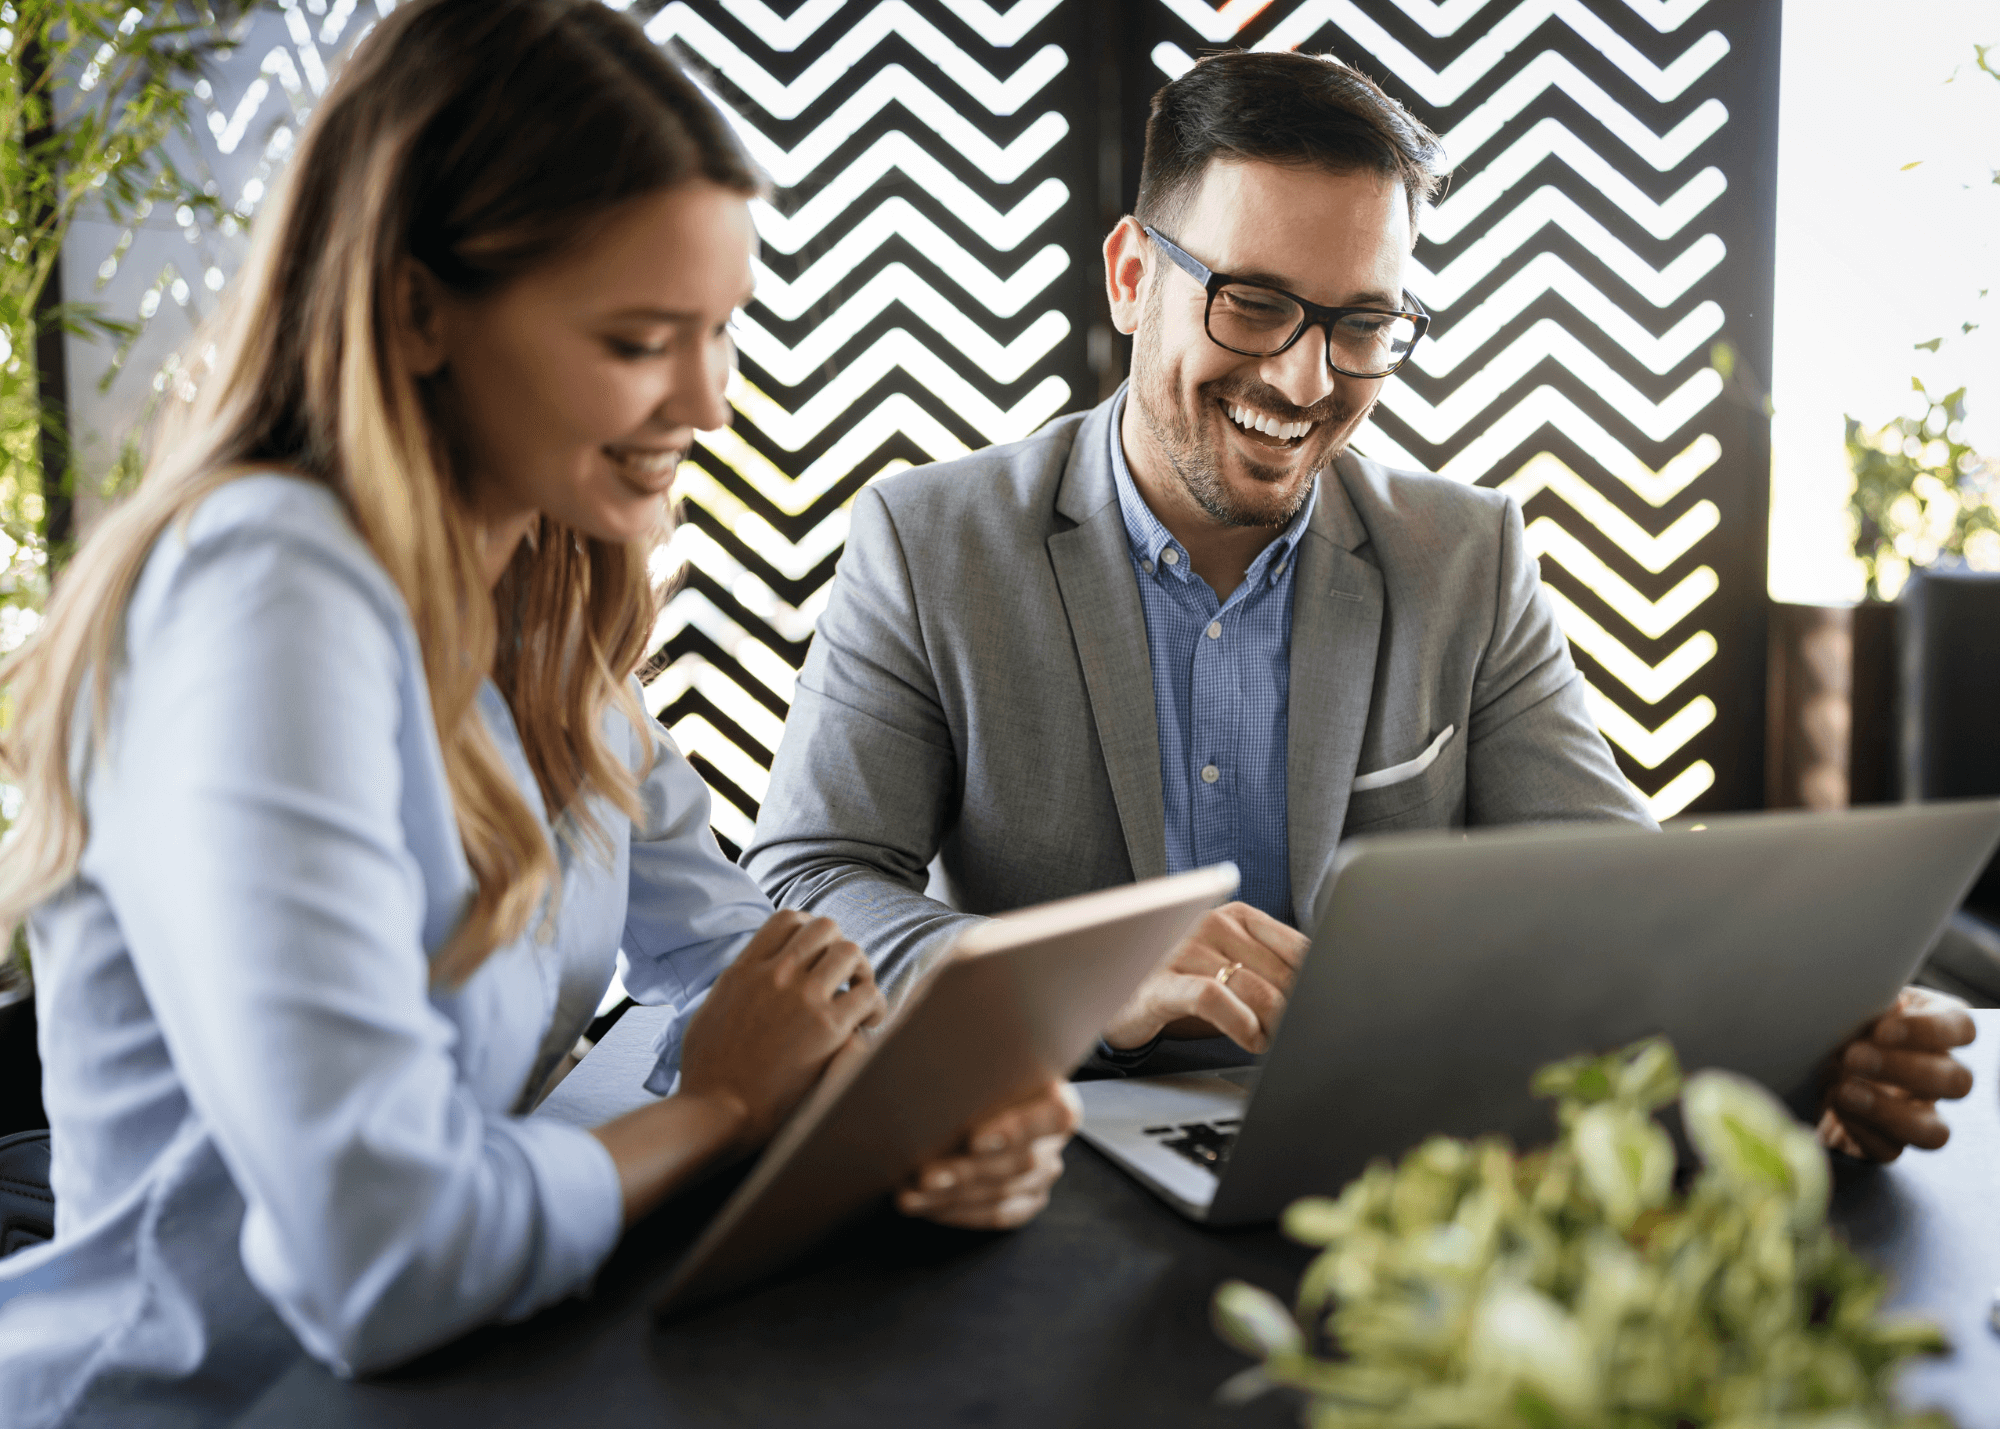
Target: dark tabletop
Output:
[(1094, 1315)]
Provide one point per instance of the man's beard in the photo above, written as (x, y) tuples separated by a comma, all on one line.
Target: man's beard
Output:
[(1196, 462)]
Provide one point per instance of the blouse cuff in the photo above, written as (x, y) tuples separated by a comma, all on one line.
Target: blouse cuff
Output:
[(583, 1209)]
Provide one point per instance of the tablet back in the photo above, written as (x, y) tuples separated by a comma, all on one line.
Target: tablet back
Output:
[(1446, 968), (1019, 1000)]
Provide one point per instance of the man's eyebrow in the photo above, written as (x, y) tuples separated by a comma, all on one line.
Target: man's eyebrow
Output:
[(1374, 298)]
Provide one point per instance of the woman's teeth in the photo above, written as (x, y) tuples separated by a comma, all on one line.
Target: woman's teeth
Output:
[(644, 462), (1269, 426)]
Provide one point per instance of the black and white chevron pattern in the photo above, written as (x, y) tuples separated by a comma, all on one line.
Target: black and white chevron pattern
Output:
[(928, 277), (1584, 265), (910, 307)]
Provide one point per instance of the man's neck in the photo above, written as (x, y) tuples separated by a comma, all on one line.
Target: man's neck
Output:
[(1220, 554)]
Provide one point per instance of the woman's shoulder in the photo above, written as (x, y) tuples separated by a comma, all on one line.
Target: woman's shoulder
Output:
[(264, 541)]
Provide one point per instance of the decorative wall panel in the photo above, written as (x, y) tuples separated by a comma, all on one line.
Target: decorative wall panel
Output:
[(929, 283), (1600, 268)]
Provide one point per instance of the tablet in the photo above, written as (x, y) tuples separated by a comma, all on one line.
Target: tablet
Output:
[(1018, 1000)]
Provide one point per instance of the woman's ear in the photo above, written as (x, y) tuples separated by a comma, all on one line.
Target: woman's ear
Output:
[(419, 318)]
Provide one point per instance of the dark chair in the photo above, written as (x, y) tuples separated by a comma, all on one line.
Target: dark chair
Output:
[(1948, 745)]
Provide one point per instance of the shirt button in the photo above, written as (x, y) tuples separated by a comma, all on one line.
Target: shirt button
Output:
[(1278, 569), (1171, 556), (1209, 774), (1146, 566), (1215, 630)]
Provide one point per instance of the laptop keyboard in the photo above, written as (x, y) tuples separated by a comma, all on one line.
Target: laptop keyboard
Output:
[(1206, 1143)]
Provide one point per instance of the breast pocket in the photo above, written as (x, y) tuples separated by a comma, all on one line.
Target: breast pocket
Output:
[(1426, 792)]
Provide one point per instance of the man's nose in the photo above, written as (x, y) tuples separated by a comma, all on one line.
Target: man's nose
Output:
[(1300, 371)]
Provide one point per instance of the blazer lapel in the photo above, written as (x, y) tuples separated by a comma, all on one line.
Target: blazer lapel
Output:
[(1336, 624), (1093, 568)]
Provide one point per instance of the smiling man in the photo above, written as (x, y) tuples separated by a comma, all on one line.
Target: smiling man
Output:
[(1191, 625)]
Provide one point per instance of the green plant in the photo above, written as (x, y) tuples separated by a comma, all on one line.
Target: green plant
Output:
[(92, 94), (1574, 1287), (1921, 495)]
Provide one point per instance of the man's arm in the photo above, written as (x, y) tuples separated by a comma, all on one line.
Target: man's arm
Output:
[(863, 788), (1534, 753)]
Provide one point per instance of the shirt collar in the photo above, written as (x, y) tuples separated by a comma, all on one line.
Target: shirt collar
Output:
[(1148, 537)]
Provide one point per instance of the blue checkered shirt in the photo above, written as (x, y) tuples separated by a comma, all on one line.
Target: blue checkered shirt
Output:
[(1221, 678)]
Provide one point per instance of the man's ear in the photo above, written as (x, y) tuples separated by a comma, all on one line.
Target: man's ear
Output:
[(1128, 257), (419, 318)]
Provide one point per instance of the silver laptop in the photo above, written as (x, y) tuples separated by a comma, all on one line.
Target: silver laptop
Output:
[(1446, 968)]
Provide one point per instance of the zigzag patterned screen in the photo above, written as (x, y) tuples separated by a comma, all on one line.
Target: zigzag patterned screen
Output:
[(1601, 258), (929, 283), (911, 306)]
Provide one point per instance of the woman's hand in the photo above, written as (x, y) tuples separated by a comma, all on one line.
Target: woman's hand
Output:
[(1888, 1081), (775, 1018), (792, 1000), (1001, 1177)]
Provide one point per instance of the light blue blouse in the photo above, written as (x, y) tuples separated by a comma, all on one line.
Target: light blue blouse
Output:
[(270, 1129)]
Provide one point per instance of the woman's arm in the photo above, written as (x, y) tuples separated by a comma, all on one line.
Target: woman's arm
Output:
[(271, 828)]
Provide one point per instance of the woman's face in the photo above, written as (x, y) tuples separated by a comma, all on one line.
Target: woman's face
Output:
[(579, 386)]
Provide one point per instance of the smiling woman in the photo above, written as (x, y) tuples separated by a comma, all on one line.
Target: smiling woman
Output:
[(340, 801)]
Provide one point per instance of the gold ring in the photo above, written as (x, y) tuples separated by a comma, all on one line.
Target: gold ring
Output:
[(1223, 975)]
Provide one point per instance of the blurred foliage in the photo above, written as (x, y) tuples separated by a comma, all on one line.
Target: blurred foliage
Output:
[(1575, 1288), (1922, 495), (92, 94)]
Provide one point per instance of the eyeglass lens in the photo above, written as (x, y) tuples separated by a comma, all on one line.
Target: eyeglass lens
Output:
[(1258, 321)]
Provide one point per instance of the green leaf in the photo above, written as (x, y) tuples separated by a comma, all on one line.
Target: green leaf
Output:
[(1930, 346), (1255, 1321)]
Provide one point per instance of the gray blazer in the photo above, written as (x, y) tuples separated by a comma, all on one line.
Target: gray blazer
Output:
[(979, 693)]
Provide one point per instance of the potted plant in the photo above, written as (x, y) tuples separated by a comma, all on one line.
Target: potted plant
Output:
[(1471, 1287)]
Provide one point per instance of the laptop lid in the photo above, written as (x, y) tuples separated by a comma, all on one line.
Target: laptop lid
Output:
[(1446, 968), (1019, 1000)]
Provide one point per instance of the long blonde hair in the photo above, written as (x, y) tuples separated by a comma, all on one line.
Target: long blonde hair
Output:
[(481, 138)]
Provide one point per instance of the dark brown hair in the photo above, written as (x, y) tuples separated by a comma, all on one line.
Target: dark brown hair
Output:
[(1280, 107)]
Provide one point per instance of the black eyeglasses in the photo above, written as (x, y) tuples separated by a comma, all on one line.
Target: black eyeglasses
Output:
[(1261, 321)]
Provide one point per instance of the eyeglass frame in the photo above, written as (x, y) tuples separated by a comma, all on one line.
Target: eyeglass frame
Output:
[(1315, 316)]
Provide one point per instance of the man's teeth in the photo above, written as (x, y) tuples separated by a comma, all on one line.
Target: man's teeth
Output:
[(644, 463), (1269, 426)]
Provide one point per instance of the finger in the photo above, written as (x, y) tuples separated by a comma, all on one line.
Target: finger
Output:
[(861, 1005), (1221, 1008), (1043, 1170), (1930, 1075), (1925, 1026), (1857, 1138), (1229, 942), (998, 1216), (1867, 1106), (1281, 938), (809, 943), (841, 964), (1055, 1111), (773, 936)]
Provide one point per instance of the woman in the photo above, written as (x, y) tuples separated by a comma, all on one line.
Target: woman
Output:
[(340, 798)]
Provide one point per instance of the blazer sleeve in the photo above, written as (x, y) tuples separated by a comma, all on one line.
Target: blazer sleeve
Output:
[(689, 911), (248, 830), (865, 780), (1534, 752)]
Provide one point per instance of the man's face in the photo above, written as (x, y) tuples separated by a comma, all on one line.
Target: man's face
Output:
[(1339, 240)]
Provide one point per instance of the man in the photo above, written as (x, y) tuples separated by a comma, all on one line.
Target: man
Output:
[(1191, 626)]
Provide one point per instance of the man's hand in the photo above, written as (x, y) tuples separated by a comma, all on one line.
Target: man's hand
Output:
[(1887, 1081), (1002, 1176), (1230, 977)]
